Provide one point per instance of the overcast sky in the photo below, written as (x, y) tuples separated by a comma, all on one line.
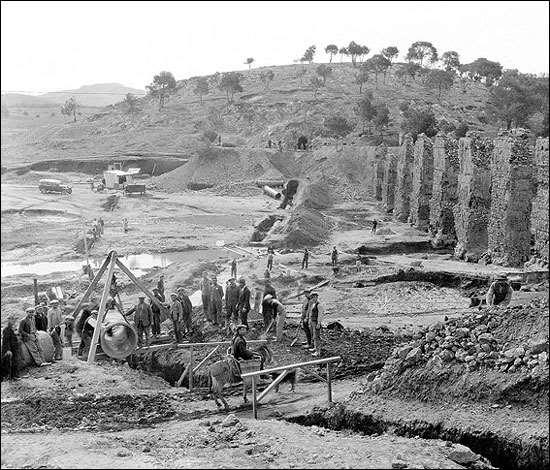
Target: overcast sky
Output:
[(50, 46)]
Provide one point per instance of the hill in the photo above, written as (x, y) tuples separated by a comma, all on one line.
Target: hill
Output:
[(19, 100), (100, 94)]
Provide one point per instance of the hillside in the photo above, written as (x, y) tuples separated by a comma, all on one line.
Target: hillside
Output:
[(284, 109), (19, 100), (99, 95)]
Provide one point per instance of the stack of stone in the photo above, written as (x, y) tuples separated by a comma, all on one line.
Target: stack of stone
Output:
[(422, 182), (539, 214), (509, 234), (404, 180)]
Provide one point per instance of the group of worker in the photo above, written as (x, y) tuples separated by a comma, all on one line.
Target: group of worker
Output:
[(97, 229)]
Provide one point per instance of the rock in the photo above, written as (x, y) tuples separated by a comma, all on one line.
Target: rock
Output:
[(485, 337), (436, 326), (204, 423), (398, 464), (517, 362), (543, 358), (123, 453), (469, 358), (538, 346), (519, 352), (482, 328), (462, 332), (146, 449), (230, 420), (462, 455), (509, 353), (447, 355), (485, 347), (430, 336), (404, 351), (414, 355)]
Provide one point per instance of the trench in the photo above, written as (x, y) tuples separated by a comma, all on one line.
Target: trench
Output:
[(513, 453)]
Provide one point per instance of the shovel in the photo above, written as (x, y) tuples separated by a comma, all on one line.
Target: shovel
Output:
[(264, 334)]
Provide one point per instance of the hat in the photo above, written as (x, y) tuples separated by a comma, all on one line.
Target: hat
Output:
[(54, 301), (94, 312), (305, 291), (173, 294), (268, 297), (29, 310), (155, 289), (141, 296), (242, 281)]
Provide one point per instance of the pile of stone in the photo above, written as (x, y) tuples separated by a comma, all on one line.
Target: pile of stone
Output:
[(468, 341)]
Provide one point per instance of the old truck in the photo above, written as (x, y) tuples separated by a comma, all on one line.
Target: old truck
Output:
[(53, 186)]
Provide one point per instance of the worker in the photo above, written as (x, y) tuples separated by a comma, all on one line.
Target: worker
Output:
[(279, 315), (270, 261), (55, 323), (206, 289), (101, 226), (374, 226), (216, 302), (305, 259), (267, 310), (234, 268), (500, 292), (238, 345), (160, 286), (69, 330), (187, 310), (125, 224), (269, 143), (142, 320), (85, 330), (334, 256), (27, 332), (308, 343), (155, 329), (316, 311), (358, 264), (267, 274), (232, 293), (244, 301), (55, 316), (40, 317), (10, 351), (176, 315)]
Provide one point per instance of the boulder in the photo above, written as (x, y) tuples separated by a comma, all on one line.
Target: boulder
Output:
[(447, 355), (414, 355), (404, 351), (543, 358), (462, 332), (230, 420), (519, 352), (485, 337), (538, 346)]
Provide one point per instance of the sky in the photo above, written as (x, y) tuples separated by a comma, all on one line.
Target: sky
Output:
[(50, 46)]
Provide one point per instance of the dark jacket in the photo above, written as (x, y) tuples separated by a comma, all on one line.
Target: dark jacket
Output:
[(41, 321), (216, 294), (232, 294), (154, 307), (143, 315), (187, 306), (239, 349), (26, 327), (244, 299), (10, 341), (82, 325)]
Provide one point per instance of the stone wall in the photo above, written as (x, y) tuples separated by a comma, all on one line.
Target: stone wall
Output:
[(539, 214), (444, 191), (512, 191), (389, 183), (404, 180), (381, 155), (471, 213), (422, 182)]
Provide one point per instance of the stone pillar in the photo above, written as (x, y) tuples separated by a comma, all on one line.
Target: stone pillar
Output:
[(371, 172), (474, 196), (381, 153), (404, 180), (390, 179), (539, 213), (422, 182), (444, 192)]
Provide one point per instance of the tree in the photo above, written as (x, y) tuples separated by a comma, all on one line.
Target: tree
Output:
[(316, 83), (324, 71), (461, 130), (131, 102), (390, 52), (365, 109), (201, 88), (451, 61), (378, 64), (267, 77), (440, 80), (230, 83), (362, 77), (408, 70), (249, 62), (331, 49), (418, 120), (356, 50), (484, 68), (337, 126), (421, 50), (381, 117), (69, 108), (343, 51), (163, 84), (308, 54)]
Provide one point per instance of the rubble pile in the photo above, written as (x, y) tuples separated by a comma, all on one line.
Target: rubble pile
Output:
[(477, 341), (474, 196), (404, 180), (509, 234), (422, 182), (539, 214), (444, 196), (388, 185)]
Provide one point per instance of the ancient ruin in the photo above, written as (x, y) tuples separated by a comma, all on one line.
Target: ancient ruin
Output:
[(422, 181), (539, 214), (381, 156), (404, 180), (389, 182)]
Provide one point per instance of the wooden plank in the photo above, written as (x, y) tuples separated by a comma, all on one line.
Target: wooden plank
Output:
[(254, 398), (187, 345), (293, 366), (210, 354), (101, 312), (329, 383), (91, 287), (184, 373), (316, 286), (272, 385), (35, 290), (191, 370)]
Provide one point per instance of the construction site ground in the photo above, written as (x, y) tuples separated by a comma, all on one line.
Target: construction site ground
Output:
[(109, 412)]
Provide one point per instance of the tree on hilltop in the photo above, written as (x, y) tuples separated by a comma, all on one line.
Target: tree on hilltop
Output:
[(421, 50), (300, 73), (331, 49), (249, 61), (201, 88), (418, 120), (356, 51), (378, 64), (324, 71), (230, 83), (390, 53), (162, 86), (451, 61), (483, 68), (308, 54), (69, 108), (343, 51), (362, 77), (408, 70)]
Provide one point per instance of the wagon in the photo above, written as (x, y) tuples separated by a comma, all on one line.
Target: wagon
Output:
[(53, 186), (134, 189)]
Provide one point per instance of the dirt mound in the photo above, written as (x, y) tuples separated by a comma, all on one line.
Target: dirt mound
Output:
[(313, 196)]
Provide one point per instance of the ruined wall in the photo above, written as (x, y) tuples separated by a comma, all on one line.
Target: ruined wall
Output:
[(539, 214), (474, 196), (512, 191), (381, 155), (389, 183), (422, 182), (404, 180), (444, 191)]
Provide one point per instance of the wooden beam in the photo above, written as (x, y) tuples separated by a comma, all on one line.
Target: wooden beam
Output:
[(91, 287), (199, 365), (101, 312), (182, 376), (293, 366), (35, 290), (316, 286), (140, 284), (254, 398), (329, 384), (272, 385), (188, 345)]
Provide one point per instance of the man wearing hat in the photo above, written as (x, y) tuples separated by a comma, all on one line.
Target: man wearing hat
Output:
[(316, 312), (40, 317), (55, 320), (244, 301), (27, 331), (10, 350), (216, 302), (142, 319), (156, 312), (500, 292), (206, 287), (84, 329), (186, 309), (231, 302), (176, 315), (305, 320), (238, 345), (279, 315)]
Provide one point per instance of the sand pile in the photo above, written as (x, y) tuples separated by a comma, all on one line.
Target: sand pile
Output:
[(312, 195)]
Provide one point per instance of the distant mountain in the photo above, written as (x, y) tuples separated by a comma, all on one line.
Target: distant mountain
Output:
[(100, 94), (18, 100)]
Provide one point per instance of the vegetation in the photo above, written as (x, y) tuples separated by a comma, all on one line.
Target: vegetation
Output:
[(421, 50), (316, 83), (230, 83), (390, 52), (69, 108), (331, 49), (267, 77), (131, 102), (418, 120), (451, 61), (324, 71), (372, 114), (441, 80), (309, 54), (201, 88), (356, 51), (362, 77), (249, 62), (163, 85), (378, 64), (337, 126), (483, 68)]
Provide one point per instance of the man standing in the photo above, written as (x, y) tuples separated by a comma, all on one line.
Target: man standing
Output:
[(216, 302), (374, 226), (156, 312), (267, 308), (308, 343), (244, 301), (238, 345), (176, 314), (316, 312), (85, 330), (334, 256), (205, 293), (160, 286), (279, 315), (27, 331), (55, 320), (10, 351), (101, 226), (270, 261), (234, 268), (500, 292), (231, 302), (69, 330), (186, 309), (305, 259), (40, 318), (142, 320)]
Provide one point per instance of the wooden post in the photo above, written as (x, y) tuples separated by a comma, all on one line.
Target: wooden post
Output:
[(35, 290), (101, 312), (191, 369), (254, 400), (272, 385), (329, 383), (195, 369), (92, 286)]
